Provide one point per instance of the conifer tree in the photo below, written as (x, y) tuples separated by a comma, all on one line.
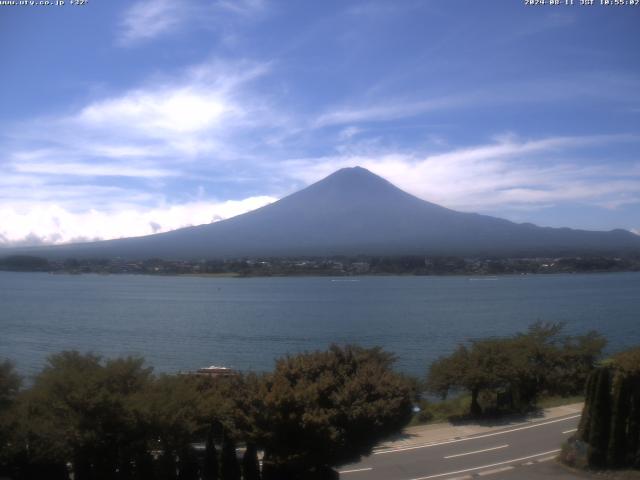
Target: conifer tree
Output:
[(585, 420), (250, 465), (188, 465), (210, 466), (600, 421), (229, 467), (167, 467), (619, 417), (144, 467), (633, 430)]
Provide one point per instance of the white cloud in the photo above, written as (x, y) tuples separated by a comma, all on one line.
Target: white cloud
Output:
[(189, 114), (612, 86), (92, 170), (197, 111), (506, 174), (45, 223), (349, 132), (208, 123), (385, 111), (159, 112), (101, 171), (149, 19)]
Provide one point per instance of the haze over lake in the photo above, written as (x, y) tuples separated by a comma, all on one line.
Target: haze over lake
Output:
[(183, 323)]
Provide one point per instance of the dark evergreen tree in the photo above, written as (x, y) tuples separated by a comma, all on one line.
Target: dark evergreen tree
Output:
[(144, 466), (274, 471), (229, 467), (125, 468), (167, 466), (210, 464), (610, 424), (250, 464), (82, 468), (10, 383), (627, 363), (600, 421), (268, 472), (619, 419), (585, 420), (188, 465), (633, 430), (45, 470)]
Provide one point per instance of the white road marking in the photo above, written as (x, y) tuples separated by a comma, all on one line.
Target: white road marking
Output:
[(427, 445), (486, 466), (356, 470), (546, 459), (570, 431), (496, 470), (477, 451)]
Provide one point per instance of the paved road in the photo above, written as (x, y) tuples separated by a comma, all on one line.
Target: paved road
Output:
[(496, 452), (551, 470)]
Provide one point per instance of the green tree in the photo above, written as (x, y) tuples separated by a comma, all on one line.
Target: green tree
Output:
[(79, 410), (10, 383), (484, 366), (518, 368), (575, 358), (173, 412), (327, 408)]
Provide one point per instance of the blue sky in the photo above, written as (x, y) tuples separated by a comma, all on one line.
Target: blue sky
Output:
[(125, 118)]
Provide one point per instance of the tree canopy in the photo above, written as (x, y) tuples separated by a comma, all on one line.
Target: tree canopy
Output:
[(115, 419), (517, 369), (10, 383), (326, 408)]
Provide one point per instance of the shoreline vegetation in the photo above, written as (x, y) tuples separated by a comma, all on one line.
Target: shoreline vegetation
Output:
[(97, 418), (327, 266)]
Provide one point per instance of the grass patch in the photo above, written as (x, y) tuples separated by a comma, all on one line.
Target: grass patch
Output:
[(436, 412), (550, 402)]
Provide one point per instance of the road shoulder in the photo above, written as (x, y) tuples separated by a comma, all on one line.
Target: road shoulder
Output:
[(443, 432)]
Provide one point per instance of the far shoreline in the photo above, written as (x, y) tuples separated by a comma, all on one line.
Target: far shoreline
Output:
[(337, 277), (332, 266)]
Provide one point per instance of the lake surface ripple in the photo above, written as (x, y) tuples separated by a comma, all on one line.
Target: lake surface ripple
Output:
[(183, 323)]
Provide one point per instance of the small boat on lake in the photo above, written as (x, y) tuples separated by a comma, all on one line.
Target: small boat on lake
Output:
[(215, 371)]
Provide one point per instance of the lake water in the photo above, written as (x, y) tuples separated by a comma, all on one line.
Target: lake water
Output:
[(183, 323)]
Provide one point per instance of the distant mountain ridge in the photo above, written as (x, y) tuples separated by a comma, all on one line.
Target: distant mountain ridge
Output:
[(353, 212)]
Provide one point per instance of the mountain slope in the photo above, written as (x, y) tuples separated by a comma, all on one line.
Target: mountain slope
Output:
[(351, 212)]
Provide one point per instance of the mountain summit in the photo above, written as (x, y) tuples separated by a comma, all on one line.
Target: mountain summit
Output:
[(351, 212)]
